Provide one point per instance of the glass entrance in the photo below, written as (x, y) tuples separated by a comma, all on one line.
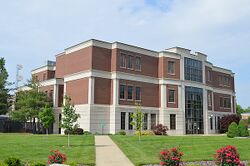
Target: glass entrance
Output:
[(194, 110)]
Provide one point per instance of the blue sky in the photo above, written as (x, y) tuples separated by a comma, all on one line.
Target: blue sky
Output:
[(32, 31)]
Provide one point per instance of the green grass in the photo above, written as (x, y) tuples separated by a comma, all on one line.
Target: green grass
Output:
[(36, 148), (195, 148)]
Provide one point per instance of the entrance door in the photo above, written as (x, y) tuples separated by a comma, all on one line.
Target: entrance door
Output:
[(194, 110)]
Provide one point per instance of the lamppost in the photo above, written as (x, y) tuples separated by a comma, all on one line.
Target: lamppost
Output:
[(19, 78)]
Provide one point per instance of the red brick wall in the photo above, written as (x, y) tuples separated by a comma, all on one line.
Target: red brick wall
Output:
[(217, 107), (102, 92), (149, 93), (175, 104), (48, 75), (163, 68), (74, 62), (215, 79), (101, 59), (149, 65), (77, 90)]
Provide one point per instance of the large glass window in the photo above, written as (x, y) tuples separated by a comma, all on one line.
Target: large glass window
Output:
[(138, 63), (138, 93), (225, 102), (123, 117), (122, 91), (172, 121), (193, 70), (194, 110), (209, 75), (224, 80), (171, 95), (129, 62), (130, 92), (122, 60)]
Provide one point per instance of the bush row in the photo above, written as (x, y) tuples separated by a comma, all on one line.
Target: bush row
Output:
[(240, 130)]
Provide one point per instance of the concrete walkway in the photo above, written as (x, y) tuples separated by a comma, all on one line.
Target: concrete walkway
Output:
[(108, 153)]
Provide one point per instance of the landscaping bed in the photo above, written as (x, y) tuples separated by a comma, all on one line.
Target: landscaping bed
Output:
[(195, 148)]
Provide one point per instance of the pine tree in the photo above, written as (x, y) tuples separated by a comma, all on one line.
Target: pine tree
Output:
[(4, 91)]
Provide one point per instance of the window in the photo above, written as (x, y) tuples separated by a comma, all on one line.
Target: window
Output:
[(130, 119), (129, 62), (145, 125), (122, 60), (172, 121), (225, 102), (171, 65), (138, 93), (171, 96), (224, 80), (44, 76), (153, 120), (209, 99), (211, 123), (122, 91), (218, 123), (209, 75), (130, 92), (138, 63), (123, 117), (193, 70)]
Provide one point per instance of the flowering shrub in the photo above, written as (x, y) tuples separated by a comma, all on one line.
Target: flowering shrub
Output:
[(170, 157), (160, 129), (227, 156), (56, 157)]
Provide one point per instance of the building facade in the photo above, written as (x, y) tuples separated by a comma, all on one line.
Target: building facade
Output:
[(105, 80)]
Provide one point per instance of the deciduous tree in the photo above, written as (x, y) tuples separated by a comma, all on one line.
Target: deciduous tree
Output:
[(138, 120), (69, 116), (47, 117)]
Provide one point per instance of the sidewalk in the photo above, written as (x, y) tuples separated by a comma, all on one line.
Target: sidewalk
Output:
[(108, 154)]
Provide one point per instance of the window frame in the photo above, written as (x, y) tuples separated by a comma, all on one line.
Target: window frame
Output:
[(129, 57), (172, 123), (136, 65), (136, 93), (124, 92), (173, 90), (131, 92), (122, 55), (173, 62)]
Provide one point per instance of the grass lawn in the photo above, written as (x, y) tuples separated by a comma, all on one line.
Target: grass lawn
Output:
[(36, 148), (195, 148)]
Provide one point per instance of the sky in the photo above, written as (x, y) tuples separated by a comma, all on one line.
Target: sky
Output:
[(33, 31)]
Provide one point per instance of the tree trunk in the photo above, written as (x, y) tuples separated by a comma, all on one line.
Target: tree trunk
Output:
[(34, 126), (68, 139)]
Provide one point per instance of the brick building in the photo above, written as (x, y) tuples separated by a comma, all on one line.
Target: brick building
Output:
[(104, 80)]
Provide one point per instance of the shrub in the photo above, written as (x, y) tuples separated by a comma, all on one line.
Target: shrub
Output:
[(242, 127), (227, 156), (12, 161), (78, 131), (87, 133), (122, 132), (227, 120), (3, 164), (56, 157), (160, 129), (170, 157), (233, 130), (145, 132), (67, 131)]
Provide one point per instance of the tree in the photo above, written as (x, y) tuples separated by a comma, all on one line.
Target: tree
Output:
[(233, 130), (242, 127), (239, 110), (4, 91), (69, 116), (29, 103), (248, 119), (47, 117), (138, 120)]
